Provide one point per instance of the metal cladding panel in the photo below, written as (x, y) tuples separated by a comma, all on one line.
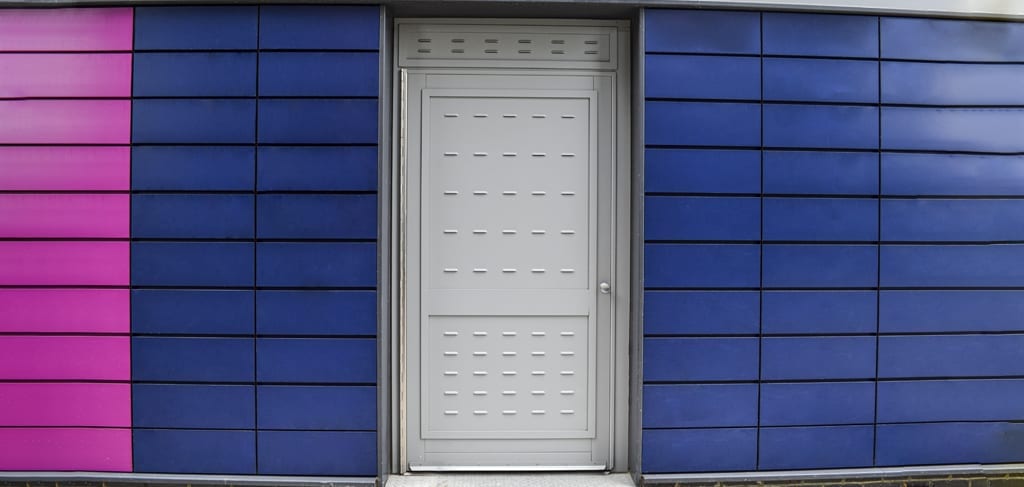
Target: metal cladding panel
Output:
[(810, 312), (193, 168), (310, 408), (174, 74), (319, 74), (192, 264), (696, 406), (196, 28), (702, 171), (928, 443), (820, 80), (192, 311), (194, 406), (697, 31), (951, 311), (701, 312), (820, 35), (348, 313), (817, 358), (909, 174), (817, 403), (699, 450), (334, 168), (190, 451), (950, 400), (190, 121), (821, 173), (192, 359), (681, 123), (820, 219), (700, 218), (318, 452), (951, 40), (726, 78), (221, 216), (796, 448)]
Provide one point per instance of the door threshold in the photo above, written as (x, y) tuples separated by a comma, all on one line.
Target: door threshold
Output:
[(512, 479), (509, 468)]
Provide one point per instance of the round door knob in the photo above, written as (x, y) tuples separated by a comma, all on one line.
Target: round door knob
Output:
[(605, 287)]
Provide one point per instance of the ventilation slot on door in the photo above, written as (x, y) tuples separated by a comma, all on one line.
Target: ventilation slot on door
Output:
[(418, 49)]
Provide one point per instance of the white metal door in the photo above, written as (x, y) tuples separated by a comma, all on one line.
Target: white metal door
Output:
[(510, 255)]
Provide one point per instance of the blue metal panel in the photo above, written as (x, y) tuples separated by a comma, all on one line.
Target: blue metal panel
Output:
[(317, 121), (349, 453), (713, 77), (318, 168), (817, 403), (702, 31), (825, 80), (193, 121), (166, 359), (953, 129), (318, 73), (699, 450), (702, 171), (316, 360), (821, 126), (820, 35), (701, 218), (704, 405), (818, 312), (824, 266), (192, 216), (820, 173), (950, 400), (319, 27), (952, 265), (192, 312), (350, 216), (177, 74), (191, 264), (317, 313), (816, 447), (193, 406), (318, 264), (701, 312), (199, 28), (952, 174), (952, 84), (700, 359), (922, 220), (951, 356), (192, 168), (952, 40), (950, 311), (821, 219), (194, 451), (949, 443), (698, 265), (801, 358), (317, 407), (703, 124)]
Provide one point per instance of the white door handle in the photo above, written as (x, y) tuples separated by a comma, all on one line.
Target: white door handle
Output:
[(605, 287)]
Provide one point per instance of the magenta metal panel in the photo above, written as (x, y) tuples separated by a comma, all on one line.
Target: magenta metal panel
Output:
[(65, 404), (65, 168), (65, 121), (65, 449), (68, 29), (64, 263), (64, 311), (64, 358), (64, 215), (65, 75)]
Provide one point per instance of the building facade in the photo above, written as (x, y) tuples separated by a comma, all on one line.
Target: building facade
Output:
[(314, 240)]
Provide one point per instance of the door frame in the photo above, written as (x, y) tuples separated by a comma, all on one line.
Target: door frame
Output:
[(621, 279)]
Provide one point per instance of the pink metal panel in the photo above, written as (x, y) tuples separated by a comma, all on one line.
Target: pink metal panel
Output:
[(65, 404), (64, 358), (65, 75), (57, 449), (67, 29), (64, 263), (64, 311), (65, 121), (65, 168), (64, 215)]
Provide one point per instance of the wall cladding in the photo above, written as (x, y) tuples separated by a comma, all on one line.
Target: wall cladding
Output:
[(254, 225), (832, 241), (65, 112)]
